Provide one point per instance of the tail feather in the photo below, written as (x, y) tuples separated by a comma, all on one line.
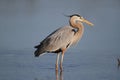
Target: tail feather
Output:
[(37, 46), (38, 52), (40, 49)]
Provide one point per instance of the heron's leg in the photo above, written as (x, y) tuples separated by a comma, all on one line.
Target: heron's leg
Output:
[(57, 75), (62, 57), (57, 60)]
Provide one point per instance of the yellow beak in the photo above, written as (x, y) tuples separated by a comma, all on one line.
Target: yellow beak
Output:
[(87, 22)]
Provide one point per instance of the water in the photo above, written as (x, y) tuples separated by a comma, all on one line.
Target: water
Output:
[(82, 65)]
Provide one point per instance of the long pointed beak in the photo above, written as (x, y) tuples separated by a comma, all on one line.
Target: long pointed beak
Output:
[(88, 22)]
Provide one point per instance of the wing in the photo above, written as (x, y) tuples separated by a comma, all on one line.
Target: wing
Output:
[(60, 38)]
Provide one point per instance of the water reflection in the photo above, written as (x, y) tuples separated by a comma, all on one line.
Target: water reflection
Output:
[(118, 63), (59, 75)]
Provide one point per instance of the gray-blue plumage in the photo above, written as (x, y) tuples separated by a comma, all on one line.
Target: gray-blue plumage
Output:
[(60, 38)]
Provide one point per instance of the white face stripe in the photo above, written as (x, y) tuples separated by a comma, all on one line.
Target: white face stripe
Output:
[(77, 19)]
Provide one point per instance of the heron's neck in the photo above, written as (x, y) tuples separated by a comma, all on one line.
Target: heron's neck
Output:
[(78, 26), (78, 33), (80, 30)]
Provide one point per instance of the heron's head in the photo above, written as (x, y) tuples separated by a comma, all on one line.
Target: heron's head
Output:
[(75, 18)]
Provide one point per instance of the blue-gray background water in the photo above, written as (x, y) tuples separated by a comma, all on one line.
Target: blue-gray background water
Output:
[(78, 65), (25, 23)]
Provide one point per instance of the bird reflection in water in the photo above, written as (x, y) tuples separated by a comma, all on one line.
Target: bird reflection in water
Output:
[(59, 75), (118, 63)]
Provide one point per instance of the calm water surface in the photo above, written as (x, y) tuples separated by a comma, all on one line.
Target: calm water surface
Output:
[(83, 65)]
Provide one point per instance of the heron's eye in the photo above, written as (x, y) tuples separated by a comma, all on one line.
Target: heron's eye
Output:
[(81, 17)]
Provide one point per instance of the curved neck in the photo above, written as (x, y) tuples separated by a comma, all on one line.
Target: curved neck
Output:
[(77, 25), (80, 29)]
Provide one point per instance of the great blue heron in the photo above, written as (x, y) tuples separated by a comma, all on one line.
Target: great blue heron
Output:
[(61, 39)]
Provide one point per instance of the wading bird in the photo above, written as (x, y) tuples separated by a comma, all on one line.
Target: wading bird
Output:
[(61, 39)]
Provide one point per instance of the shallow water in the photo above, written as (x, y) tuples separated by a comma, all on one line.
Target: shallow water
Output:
[(83, 65)]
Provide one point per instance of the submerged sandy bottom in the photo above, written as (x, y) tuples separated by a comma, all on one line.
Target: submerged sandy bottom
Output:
[(78, 65)]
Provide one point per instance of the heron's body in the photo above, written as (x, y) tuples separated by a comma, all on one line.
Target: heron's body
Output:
[(55, 40), (62, 38)]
